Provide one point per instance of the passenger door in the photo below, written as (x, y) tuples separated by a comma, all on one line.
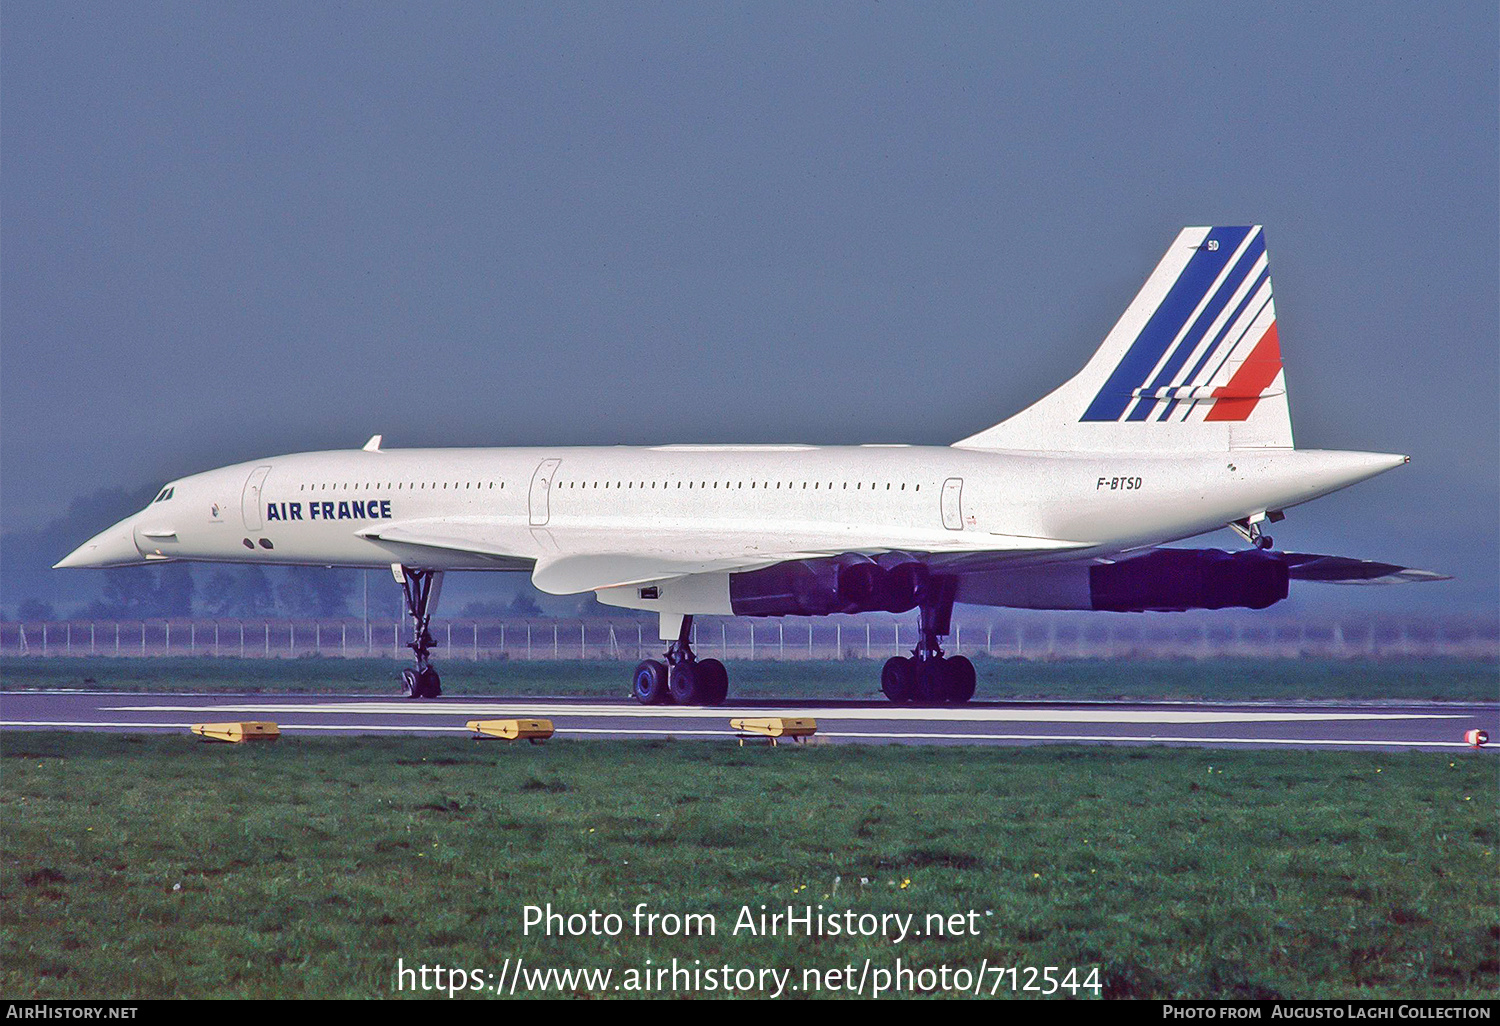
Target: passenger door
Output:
[(953, 507), (250, 500), (541, 491)]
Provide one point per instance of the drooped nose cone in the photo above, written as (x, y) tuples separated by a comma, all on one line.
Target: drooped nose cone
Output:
[(114, 547)]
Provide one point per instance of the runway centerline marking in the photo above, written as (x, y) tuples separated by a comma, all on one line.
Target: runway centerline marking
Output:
[(896, 713)]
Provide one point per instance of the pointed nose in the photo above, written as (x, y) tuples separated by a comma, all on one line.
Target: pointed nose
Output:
[(114, 547)]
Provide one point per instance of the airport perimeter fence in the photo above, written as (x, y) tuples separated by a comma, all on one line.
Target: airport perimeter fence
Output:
[(1042, 636)]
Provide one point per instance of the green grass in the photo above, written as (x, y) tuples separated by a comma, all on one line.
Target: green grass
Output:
[(1217, 679), (307, 867)]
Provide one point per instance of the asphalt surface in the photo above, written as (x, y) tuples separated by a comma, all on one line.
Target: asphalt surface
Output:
[(1350, 725)]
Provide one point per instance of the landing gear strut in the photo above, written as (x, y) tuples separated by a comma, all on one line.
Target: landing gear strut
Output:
[(421, 588), (683, 677), (927, 677), (1252, 529)]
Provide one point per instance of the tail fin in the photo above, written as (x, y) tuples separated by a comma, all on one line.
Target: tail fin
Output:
[(1193, 364)]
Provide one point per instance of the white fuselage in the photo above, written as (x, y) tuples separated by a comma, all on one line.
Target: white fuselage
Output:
[(319, 508)]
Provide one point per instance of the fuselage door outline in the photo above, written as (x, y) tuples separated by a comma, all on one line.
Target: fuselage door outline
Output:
[(539, 501), (250, 501), (953, 509)]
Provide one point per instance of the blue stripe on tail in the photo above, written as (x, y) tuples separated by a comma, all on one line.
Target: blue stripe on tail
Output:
[(1166, 322)]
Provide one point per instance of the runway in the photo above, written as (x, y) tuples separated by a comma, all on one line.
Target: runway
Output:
[(1350, 725)]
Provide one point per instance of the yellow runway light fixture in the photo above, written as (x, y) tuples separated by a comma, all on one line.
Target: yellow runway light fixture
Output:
[(234, 733), (798, 728), (534, 731)]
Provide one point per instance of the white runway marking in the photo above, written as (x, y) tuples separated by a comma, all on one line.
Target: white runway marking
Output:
[(184, 726), (855, 735), (947, 715)]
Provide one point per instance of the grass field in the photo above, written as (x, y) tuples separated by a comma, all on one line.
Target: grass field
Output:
[(1215, 679), (162, 866)]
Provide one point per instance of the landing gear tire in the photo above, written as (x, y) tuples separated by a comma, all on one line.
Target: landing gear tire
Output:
[(421, 683), (713, 682), (898, 679), (685, 684), (649, 686), (961, 679), (931, 682)]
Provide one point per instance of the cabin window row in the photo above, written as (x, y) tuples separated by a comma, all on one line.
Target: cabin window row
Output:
[(768, 486), (704, 485), (458, 486)]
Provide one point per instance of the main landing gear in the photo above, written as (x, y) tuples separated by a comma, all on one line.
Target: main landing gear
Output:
[(421, 588), (927, 677), (683, 677)]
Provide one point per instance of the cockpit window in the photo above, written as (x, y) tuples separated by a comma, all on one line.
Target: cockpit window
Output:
[(166, 493)]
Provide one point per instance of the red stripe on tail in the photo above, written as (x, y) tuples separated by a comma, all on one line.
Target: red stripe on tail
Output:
[(1236, 400)]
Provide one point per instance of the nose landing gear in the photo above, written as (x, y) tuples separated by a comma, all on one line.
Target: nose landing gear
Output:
[(927, 676), (421, 589)]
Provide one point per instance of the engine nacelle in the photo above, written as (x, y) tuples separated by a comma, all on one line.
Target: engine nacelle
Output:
[(849, 584), (1173, 580)]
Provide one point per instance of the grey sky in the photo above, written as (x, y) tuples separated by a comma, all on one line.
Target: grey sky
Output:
[(233, 230)]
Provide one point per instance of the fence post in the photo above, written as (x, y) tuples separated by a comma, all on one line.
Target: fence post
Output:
[(780, 640), (958, 638), (216, 639), (70, 638), (44, 638), (117, 639), (143, 637), (752, 641), (723, 639), (528, 640), (268, 640), (476, 641), (838, 641), (867, 639)]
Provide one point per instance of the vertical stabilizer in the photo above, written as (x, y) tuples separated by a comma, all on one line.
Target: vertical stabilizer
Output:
[(1194, 363)]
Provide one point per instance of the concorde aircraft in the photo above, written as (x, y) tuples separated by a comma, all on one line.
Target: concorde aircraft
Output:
[(1179, 425)]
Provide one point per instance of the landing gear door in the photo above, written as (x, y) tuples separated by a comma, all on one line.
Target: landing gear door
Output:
[(541, 491), (250, 500), (953, 509)]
